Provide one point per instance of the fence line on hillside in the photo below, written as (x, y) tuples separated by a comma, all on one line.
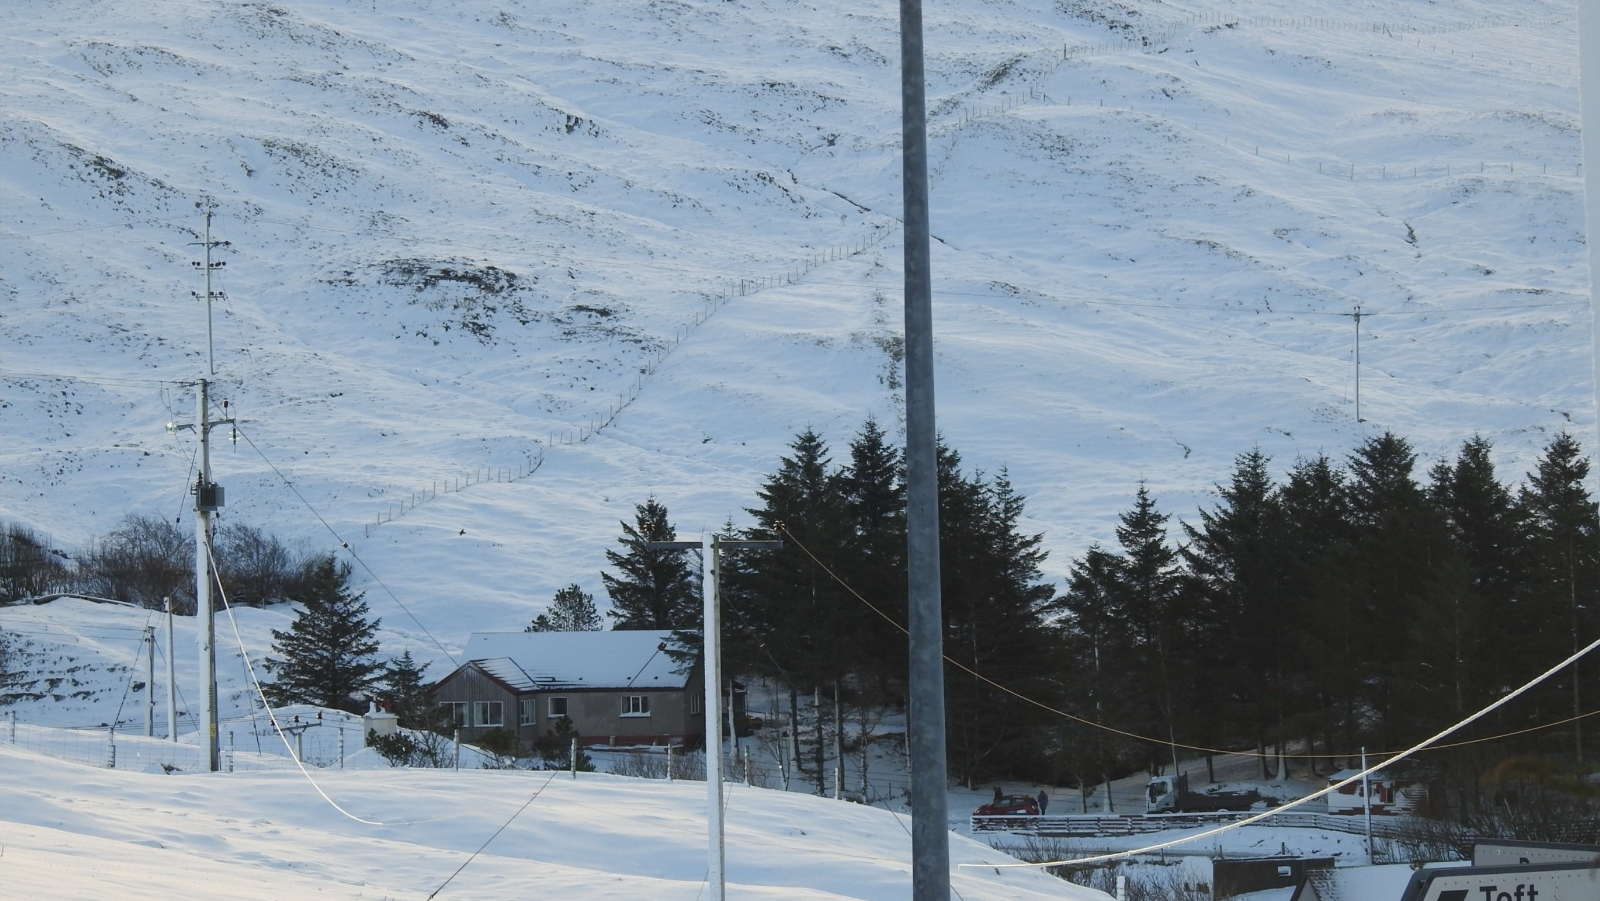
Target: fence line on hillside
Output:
[(966, 114), (727, 290), (1345, 171), (323, 743), (454, 484), (1170, 32)]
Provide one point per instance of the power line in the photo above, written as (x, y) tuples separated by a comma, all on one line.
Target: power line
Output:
[(346, 546), (1363, 774), (255, 682), (90, 228), (474, 855), (1134, 735)]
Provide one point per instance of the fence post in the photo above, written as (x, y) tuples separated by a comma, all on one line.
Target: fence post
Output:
[(111, 748), (572, 758), (456, 737), (669, 759), (230, 750)]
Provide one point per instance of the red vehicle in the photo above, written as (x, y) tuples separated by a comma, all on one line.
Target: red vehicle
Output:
[(1009, 805)]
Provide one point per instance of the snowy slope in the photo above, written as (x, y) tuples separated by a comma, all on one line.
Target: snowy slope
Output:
[(75, 832), (461, 234)]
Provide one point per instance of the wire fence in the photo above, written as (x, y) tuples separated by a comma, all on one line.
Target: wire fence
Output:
[(246, 744), (454, 484), (958, 116), (728, 290)]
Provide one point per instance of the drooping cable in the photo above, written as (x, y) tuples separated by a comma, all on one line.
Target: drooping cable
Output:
[(1256, 818), (474, 855), (346, 546), (1134, 735), (255, 681)]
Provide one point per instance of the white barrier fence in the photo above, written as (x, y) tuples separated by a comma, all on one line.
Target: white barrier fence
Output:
[(1111, 825), (249, 744)]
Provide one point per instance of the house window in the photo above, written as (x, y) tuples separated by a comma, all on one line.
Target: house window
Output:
[(487, 713), (635, 705), (526, 715), (455, 713), (694, 704), (558, 707)]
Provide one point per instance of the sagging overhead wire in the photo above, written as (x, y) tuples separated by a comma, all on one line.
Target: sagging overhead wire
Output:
[(346, 546), (1290, 805), (1146, 738), (255, 682)]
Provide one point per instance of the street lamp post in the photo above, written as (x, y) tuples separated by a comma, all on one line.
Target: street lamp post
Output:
[(712, 642)]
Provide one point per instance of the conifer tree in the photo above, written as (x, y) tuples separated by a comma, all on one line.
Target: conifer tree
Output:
[(1148, 604), (1093, 638), (1563, 530), (873, 491), (1483, 521), (654, 588), (1402, 557), (571, 610), (1236, 563), (407, 691), (328, 655), (994, 602), (1319, 543)]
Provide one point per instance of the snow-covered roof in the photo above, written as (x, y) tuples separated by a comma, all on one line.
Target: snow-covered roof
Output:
[(621, 659), (1355, 883), (506, 670)]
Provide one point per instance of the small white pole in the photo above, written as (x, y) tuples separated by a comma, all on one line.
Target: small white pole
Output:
[(172, 680), (1366, 801), (150, 682), (572, 758)]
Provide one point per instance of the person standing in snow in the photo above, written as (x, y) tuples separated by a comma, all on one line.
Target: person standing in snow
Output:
[(1044, 802), (998, 794)]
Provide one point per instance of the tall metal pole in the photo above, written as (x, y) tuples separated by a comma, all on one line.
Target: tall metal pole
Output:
[(1589, 112), (211, 361), (1358, 362), (150, 681), (172, 678), (712, 643), (930, 834), (716, 851), (202, 583)]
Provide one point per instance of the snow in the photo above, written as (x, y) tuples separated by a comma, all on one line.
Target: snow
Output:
[(593, 659), (464, 238), (76, 832)]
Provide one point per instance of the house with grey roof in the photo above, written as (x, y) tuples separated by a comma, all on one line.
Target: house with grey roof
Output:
[(616, 688)]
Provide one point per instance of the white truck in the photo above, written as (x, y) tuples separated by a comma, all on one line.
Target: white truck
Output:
[(1170, 794)]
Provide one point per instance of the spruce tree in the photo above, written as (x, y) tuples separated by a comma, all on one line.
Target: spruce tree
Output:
[(1323, 618), (873, 491), (1484, 523), (1564, 609), (1098, 688), (1404, 570), (1148, 605), (654, 588), (1237, 561), (994, 603), (407, 692), (571, 610), (328, 655)]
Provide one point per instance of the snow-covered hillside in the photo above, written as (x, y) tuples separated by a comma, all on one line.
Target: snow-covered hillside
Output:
[(462, 234), (76, 832)]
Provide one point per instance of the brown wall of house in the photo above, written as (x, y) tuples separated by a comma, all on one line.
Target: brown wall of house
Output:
[(470, 685), (595, 713)]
